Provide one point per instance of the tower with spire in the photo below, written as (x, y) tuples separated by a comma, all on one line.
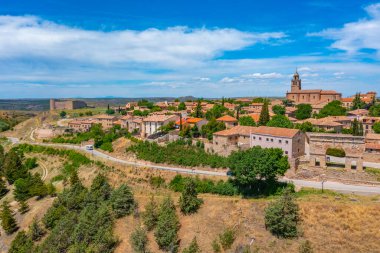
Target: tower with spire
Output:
[(296, 82)]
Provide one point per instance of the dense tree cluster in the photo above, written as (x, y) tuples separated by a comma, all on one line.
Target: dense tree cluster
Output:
[(212, 127), (80, 219), (178, 152), (376, 127), (280, 121), (374, 110), (333, 108), (246, 121), (278, 110), (303, 111)]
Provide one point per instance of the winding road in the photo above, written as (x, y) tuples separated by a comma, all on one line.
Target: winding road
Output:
[(330, 185)]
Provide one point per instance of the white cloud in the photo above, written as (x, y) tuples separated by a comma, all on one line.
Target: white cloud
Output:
[(304, 69), (30, 36), (355, 36), (272, 75)]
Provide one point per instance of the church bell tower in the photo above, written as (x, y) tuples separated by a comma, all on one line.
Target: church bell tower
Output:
[(296, 82)]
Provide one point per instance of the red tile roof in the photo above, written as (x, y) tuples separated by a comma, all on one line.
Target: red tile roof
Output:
[(261, 130), (227, 118)]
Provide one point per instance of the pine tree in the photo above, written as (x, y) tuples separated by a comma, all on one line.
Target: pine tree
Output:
[(24, 207), (21, 244), (139, 240), (189, 202), (150, 215), (8, 222), (167, 226), (13, 167), (3, 188), (122, 201), (282, 217), (193, 247), (36, 232), (2, 154), (264, 115)]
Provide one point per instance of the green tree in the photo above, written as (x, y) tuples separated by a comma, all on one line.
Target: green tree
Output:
[(333, 108), (36, 232), (24, 207), (278, 109), (303, 111), (122, 201), (357, 103), (8, 222), (227, 238), (259, 100), (193, 247), (376, 127), (189, 201), (374, 110), (357, 128), (181, 106), (280, 121), (110, 111), (167, 226), (264, 115), (216, 246), (282, 216), (198, 110), (62, 114), (139, 240), (216, 112), (257, 164), (3, 188), (211, 127), (2, 156), (31, 163), (13, 167), (21, 244), (246, 121), (305, 127), (150, 215)]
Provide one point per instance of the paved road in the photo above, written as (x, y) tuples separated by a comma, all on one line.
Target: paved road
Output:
[(330, 185)]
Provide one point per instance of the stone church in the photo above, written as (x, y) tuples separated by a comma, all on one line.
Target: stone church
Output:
[(300, 96)]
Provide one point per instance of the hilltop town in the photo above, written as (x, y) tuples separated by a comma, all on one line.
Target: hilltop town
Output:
[(238, 154)]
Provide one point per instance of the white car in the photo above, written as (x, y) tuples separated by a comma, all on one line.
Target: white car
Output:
[(89, 147)]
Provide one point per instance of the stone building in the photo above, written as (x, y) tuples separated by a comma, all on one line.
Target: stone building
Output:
[(299, 96), (56, 104)]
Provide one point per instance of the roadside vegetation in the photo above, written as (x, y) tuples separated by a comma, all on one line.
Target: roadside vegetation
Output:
[(102, 139)]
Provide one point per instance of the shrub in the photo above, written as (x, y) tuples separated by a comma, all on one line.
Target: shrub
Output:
[(193, 247), (36, 232), (227, 238), (139, 240), (31, 163), (282, 217), (188, 201), (305, 247), (337, 152), (216, 246), (157, 182), (8, 222)]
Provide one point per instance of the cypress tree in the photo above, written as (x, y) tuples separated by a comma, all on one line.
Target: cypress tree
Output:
[(13, 168), (3, 188), (21, 244), (264, 115), (189, 201), (8, 222), (198, 110)]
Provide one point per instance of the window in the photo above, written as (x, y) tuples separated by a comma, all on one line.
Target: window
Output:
[(286, 152), (279, 141), (271, 140), (286, 142), (267, 139), (260, 138)]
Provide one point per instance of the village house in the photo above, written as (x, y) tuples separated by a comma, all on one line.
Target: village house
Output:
[(131, 123), (372, 144), (368, 123), (324, 124), (358, 113), (130, 105), (107, 121), (80, 125), (191, 122), (153, 123), (291, 141), (228, 120)]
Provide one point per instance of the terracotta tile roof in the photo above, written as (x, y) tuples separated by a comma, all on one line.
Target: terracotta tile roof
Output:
[(305, 91), (372, 136), (227, 118), (261, 130), (347, 100), (372, 146), (159, 118), (329, 92), (322, 122), (105, 116), (359, 112), (257, 104), (193, 120), (118, 122), (255, 116)]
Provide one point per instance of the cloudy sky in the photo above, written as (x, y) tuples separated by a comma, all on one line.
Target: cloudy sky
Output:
[(204, 48)]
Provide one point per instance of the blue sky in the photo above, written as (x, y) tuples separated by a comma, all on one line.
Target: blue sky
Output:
[(176, 48)]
